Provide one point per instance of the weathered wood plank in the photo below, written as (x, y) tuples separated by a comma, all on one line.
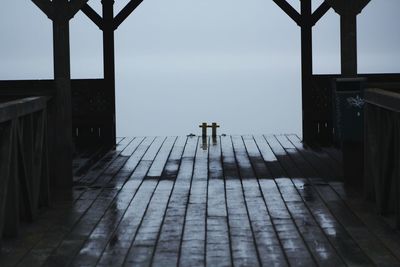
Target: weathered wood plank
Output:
[(244, 252), (66, 239), (218, 248), (243, 201), (6, 139), (343, 243), (101, 235), (194, 233), (353, 202), (168, 245), (90, 176), (141, 249), (368, 242), (268, 245), (270, 173)]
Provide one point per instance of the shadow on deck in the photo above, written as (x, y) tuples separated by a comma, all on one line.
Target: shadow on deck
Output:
[(243, 201)]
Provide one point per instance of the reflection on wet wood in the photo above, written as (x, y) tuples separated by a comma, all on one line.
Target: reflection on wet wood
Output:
[(243, 200)]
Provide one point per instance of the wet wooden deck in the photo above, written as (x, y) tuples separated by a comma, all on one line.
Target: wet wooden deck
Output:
[(239, 201)]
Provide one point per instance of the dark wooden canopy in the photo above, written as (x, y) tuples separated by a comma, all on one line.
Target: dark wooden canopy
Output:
[(86, 108)]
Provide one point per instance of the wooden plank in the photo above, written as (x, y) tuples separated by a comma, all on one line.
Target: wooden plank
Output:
[(337, 235), (384, 99), (369, 243), (121, 240), (104, 163), (193, 245), (362, 209), (67, 239), (333, 167), (168, 244), (93, 247), (244, 250), (5, 165), (142, 246), (218, 249), (17, 108), (285, 220), (268, 244)]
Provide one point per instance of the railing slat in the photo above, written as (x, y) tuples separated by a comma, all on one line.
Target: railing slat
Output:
[(24, 174)]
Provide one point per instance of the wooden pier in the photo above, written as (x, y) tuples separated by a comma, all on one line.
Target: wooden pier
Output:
[(241, 201), (72, 194)]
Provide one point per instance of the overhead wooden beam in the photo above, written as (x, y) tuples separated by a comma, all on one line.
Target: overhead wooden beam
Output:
[(93, 16), (46, 6), (320, 12), (289, 10), (354, 7), (75, 6), (125, 12)]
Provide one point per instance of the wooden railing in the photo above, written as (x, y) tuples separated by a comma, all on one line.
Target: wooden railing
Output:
[(382, 150), (321, 126), (24, 172)]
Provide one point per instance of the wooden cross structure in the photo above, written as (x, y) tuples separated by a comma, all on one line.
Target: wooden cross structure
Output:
[(70, 97), (306, 19), (213, 127), (61, 12)]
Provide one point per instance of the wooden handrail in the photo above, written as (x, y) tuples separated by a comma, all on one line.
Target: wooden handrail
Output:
[(24, 165), (21, 107), (382, 98)]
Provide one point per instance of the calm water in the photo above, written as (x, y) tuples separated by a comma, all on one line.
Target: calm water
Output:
[(180, 62), (175, 102)]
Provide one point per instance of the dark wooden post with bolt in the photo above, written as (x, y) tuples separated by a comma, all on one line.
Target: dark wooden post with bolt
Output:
[(213, 127)]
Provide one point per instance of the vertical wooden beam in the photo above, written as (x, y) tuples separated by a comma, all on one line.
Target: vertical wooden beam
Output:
[(348, 11), (306, 69), (109, 62), (348, 43), (62, 76)]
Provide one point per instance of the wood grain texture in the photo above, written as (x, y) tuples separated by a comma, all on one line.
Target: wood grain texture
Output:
[(232, 201)]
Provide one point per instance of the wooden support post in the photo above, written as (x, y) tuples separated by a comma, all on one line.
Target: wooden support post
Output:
[(108, 23), (306, 20), (109, 62), (306, 69), (203, 127), (214, 127), (62, 152), (348, 44), (60, 136), (348, 11)]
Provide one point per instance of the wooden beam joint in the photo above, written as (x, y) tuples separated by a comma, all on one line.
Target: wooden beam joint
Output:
[(93, 16), (46, 6), (125, 12), (289, 10)]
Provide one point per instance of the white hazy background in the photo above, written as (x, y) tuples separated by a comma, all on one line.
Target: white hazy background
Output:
[(182, 62)]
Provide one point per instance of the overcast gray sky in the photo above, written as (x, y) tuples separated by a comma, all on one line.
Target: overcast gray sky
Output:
[(180, 62)]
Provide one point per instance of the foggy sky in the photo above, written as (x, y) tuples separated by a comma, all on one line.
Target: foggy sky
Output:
[(181, 62)]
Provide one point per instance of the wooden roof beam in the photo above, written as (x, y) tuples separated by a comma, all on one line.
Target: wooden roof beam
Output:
[(320, 12), (343, 6), (125, 12), (93, 16), (74, 6), (46, 6), (289, 10)]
